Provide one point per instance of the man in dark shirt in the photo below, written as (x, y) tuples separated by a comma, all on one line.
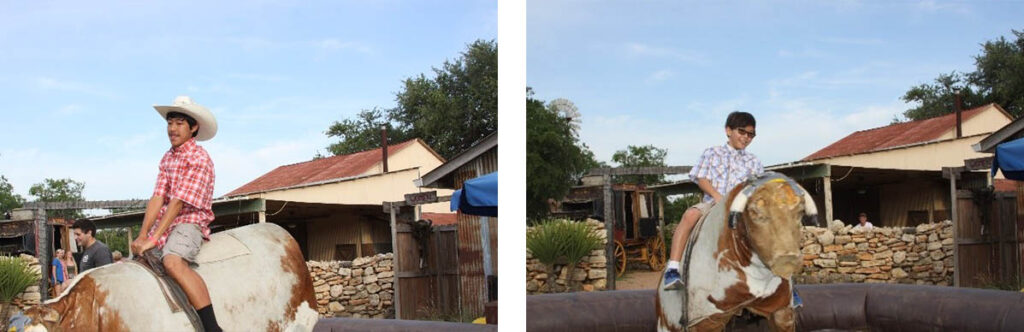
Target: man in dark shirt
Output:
[(95, 253)]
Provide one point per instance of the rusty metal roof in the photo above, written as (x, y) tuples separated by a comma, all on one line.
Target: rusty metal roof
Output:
[(895, 135), (318, 170)]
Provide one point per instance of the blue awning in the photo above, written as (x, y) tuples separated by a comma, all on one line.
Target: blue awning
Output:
[(478, 196), (1010, 158)]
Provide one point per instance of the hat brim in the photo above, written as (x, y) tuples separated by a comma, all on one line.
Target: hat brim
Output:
[(202, 115)]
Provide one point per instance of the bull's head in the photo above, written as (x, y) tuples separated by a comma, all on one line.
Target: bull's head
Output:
[(772, 208)]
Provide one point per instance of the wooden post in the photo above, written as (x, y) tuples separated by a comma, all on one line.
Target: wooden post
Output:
[(953, 201), (130, 239), (827, 186), (609, 247), (43, 250), (394, 249), (262, 211)]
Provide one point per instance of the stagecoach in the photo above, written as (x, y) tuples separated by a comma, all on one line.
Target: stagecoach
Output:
[(636, 221)]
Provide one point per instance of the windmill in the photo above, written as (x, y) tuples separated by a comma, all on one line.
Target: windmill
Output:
[(567, 110)]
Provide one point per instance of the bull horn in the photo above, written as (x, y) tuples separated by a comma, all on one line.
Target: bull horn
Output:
[(739, 203), (810, 209)]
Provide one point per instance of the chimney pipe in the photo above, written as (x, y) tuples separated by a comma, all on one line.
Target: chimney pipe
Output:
[(384, 147), (959, 127)]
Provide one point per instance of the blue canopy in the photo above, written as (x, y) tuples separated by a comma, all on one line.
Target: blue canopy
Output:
[(1010, 158), (478, 196)]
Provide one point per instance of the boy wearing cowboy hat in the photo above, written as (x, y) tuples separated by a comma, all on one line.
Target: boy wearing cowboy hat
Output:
[(181, 202)]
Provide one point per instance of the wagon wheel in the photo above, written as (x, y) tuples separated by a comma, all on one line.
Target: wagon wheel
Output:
[(657, 258), (620, 259)]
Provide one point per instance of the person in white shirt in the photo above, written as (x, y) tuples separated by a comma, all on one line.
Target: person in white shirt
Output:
[(864, 221)]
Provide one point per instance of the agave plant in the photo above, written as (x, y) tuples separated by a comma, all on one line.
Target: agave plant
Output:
[(566, 242), (15, 277)]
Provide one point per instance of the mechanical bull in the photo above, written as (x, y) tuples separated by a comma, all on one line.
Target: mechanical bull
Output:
[(256, 275), (742, 258)]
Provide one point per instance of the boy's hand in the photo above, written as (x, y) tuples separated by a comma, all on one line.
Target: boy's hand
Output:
[(140, 246)]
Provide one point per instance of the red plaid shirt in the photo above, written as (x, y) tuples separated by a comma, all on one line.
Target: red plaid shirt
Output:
[(186, 173)]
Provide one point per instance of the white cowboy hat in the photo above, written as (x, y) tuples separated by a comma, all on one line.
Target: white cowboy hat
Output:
[(184, 104)]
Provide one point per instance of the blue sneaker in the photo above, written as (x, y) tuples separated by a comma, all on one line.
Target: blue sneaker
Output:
[(672, 281), (797, 301)]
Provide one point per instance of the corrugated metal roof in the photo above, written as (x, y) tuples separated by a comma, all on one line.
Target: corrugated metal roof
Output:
[(895, 135), (318, 170)]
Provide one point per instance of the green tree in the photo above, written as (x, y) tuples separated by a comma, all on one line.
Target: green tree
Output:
[(1000, 72), (998, 78), (554, 157), (939, 98), (8, 199), (450, 112), (362, 133), (640, 156), (116, 238), (59, 190)]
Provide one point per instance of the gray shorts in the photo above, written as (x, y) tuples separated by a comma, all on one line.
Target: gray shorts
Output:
[(184, 242), (703, 207)]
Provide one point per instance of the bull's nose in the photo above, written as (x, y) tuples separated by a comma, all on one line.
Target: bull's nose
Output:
[(786, 265)]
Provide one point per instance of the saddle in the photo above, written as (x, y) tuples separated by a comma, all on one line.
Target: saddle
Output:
[(220, 247), (173, 293)]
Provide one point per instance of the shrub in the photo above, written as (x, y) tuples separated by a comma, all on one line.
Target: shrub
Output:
[(15, 277), (562, 242)]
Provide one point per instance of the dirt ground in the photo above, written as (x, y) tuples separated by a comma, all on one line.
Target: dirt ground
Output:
[(639, 278)]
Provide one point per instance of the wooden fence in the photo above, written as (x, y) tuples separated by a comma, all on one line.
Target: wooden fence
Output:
[(988, 246), (428, 288)]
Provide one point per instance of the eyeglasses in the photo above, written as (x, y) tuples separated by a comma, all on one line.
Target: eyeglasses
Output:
[(746, 133)]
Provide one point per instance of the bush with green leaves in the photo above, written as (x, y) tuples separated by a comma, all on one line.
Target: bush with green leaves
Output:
[(562, 241), (15, 277)]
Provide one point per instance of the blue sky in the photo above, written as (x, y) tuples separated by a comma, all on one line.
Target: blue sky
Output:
[(79, 79), (667, 73)]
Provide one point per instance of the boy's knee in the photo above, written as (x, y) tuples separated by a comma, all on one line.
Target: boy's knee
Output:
[(173, 263)]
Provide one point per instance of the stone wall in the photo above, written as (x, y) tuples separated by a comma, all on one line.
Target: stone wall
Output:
[(361, 288), (590, 273), (912, 255), (31, 296)]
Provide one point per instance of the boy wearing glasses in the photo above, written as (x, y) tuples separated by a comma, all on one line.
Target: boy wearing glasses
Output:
[(719, 169)]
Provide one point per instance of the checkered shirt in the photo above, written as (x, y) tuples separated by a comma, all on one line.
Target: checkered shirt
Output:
[(186, 173), (726, 167)]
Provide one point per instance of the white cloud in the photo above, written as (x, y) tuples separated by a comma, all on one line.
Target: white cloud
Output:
[(48, 83), (334, 44), (936, 6), (808, 53), (640, 49), (853, 41), (660, 76), (71, 109)]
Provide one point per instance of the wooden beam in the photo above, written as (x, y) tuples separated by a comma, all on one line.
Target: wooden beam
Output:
[(122, 204), (640, 170), (805, 172), (243, 206)]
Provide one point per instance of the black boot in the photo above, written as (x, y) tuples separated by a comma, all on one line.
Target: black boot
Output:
[(209, 319)]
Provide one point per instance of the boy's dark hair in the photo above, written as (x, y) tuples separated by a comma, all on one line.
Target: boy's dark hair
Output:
[(739, 119), (189, 119), (85, 225)]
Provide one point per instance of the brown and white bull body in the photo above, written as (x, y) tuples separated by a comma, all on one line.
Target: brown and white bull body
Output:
[(256, 275), (746, 267)]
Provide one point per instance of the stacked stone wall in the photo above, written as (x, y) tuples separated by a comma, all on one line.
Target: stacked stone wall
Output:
[(361, 288), (907, 255)]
